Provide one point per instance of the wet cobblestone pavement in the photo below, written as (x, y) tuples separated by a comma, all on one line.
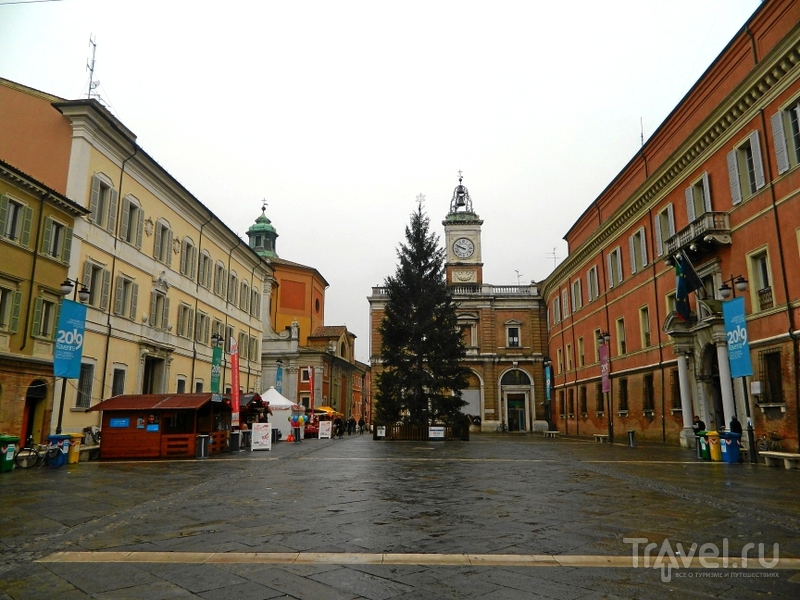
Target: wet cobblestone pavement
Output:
[(499, 517)]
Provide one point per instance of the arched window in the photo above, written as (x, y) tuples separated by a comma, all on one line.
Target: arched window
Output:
[(515, 377)]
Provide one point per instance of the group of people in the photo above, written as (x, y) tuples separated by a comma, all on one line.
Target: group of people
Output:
[(699, 425), (340, 426)]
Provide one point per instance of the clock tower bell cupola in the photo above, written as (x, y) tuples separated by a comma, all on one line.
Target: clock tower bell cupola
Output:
[(462, 232)]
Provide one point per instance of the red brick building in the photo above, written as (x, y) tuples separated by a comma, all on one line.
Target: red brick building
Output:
[(718, 181)]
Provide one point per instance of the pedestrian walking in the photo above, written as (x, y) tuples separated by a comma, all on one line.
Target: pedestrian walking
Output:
[(361, 424)]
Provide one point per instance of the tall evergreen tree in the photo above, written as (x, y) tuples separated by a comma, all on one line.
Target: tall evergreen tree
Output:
[(421, 345)]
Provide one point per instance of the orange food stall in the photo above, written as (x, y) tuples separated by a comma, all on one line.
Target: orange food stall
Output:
[(162, 425)]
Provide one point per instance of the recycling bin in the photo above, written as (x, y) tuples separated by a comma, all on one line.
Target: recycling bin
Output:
[(236, 441), (729, 444), (74, 454), (8, 447), (275, 433), (702, 438), (713, 446), (62, 441), (697, 444), (202, 446)]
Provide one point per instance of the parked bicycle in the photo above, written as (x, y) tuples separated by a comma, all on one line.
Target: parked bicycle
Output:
[(769, 444), (502, 428), (34, 455)]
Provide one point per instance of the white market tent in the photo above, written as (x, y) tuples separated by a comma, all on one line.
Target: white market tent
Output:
[(282, 409)]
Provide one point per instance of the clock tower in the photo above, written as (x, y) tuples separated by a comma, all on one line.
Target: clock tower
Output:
[(462, 233)]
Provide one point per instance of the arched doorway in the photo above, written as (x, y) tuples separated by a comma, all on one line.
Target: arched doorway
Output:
[(712, 397), (33, 415), (515, 388)]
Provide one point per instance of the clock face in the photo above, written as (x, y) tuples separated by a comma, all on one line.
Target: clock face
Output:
[(463, 248)]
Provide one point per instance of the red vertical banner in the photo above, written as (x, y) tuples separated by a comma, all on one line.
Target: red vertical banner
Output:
[(311, 388), (235, 397)]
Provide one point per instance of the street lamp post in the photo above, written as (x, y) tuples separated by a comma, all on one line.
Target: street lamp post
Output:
[(604, 341), (725, 290), (83, 295)]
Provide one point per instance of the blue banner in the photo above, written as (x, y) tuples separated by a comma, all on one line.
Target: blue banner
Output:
[(69, 340), (547, 383), (736, 333), (279, 380)]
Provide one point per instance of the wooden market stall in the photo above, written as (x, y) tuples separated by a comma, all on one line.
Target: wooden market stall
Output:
[(162, 425)]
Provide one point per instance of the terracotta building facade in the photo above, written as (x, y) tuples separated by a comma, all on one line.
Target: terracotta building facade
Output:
[(717, 188)]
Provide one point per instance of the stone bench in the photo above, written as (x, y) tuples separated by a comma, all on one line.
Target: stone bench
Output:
[(601, 437), (90, 452), (551, 434), (774, 459)]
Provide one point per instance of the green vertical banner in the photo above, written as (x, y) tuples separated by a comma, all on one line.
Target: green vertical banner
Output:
[(216, 368)]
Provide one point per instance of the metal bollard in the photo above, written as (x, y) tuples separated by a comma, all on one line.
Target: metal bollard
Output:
[(631, 439)]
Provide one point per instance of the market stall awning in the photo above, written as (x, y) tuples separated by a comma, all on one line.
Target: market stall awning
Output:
[(154, 402)]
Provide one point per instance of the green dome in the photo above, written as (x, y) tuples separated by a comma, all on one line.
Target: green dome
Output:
[(262, 236)]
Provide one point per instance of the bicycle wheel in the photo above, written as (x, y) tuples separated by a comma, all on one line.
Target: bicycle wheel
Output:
[(761, 445), (776, 446), (26, 458), (55, 458)]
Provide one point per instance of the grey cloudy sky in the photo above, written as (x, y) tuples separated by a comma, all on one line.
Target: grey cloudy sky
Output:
[(341, 113)]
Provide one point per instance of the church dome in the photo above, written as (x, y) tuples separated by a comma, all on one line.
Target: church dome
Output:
[(262, 235)]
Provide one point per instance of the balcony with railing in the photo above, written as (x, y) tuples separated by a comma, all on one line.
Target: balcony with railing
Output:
[(711, 228), (476, 290)]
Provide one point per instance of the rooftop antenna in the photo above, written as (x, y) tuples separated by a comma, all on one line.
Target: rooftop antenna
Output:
[(93, 83), (641, 129), (554, 256), (518, 276)]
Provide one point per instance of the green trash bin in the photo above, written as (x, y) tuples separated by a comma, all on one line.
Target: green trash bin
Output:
[(705, 451), (8, 447)]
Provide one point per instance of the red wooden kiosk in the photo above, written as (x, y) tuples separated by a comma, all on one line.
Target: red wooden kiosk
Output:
[(162, 425)]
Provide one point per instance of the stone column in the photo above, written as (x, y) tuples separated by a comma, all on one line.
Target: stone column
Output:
[(725, 382), (687, 406)]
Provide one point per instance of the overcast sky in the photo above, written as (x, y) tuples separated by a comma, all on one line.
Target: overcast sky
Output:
[(341, 113)]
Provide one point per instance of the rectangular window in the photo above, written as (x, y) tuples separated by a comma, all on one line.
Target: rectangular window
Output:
[(255, 303), (15, 221), (577, 296), (253, 353), (596, 338), (217, 328), (581, 353), (201, 333), (600, 399), (132, 224), (556, 310), (512, 340), (228, 338), (571, 403), (10, 306), (614, 259), (181, 387), (786, 136), (592, 284), (569, 357), (698, 198), (644, 326), (760, 286), (622, 346), (220, 280), (103, 204), (648, 393), (45, 317), (118, 382), (233, 289), (162, 247), (98, 281), (243, 345), (126, 297), (204, 270), (560, 360), (57, 240), (623, 395), (675, 389), (582, 400), (746, 169), (637, 245), (564, 303), (770, 374), (188, 258), (85, 381), (198, 387), (304, 376), (185, 321), (664, 228), (159, 310), (669, 301), (244, 297), (561, 403)]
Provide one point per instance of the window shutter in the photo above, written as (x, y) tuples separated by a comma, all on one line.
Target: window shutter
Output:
[(619, 267), (124, 225), (644, 245), (632, 248), (139, 228), (25, 235), (3, 213), (205, 330), (180, 320), (733, 177), (706, 193), (16, 305), (87, 274), (157, 242), (105, 289), (94, 199), (689, 194), (134, 299), (165, 315), (193, 266), (670, 220), (66, 248), (168, 243), (153, 297), (758, 165), (48, 233), (223, 283), (118, 296), (113, 199), (657, 230), (184, 249), (779, 139), (37, 317), (189, 323), (610, 272), (53, 326)]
